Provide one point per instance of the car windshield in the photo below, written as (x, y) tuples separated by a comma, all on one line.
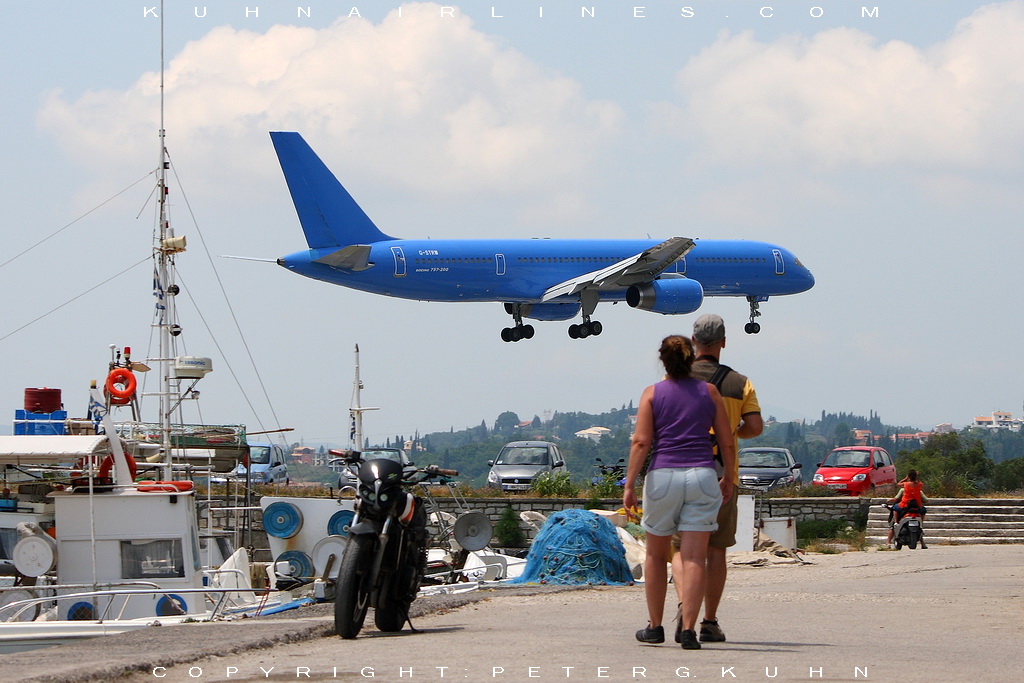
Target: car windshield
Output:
[(523, 455), (763, 459), (848, 459), (392, 454), (259, 455)]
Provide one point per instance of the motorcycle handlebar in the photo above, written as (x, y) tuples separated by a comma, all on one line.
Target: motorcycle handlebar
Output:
[(434, 469)]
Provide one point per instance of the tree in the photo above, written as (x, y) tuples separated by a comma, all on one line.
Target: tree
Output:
[(506, 422)]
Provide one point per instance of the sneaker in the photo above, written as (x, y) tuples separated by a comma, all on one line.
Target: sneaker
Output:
[(688, 639), (651, 635), (711, 632)]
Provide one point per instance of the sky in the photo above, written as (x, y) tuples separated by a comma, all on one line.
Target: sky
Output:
[(881, 142)]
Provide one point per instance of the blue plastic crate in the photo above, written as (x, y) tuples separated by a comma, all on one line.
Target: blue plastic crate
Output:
[(40, 424)]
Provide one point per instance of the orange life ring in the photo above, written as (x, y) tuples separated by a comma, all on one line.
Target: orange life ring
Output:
[(121, 385), (108, 464)]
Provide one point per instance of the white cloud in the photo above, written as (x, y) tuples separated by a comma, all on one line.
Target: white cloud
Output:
[(840, 98), (431, 103)]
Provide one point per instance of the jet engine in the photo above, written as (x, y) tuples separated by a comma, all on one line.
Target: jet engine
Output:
[(668, 296)]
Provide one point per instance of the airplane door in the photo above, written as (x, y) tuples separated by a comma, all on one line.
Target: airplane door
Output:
[(499, 264), (399, 261), (780, 265)]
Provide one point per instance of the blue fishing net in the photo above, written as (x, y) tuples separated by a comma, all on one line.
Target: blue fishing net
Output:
[(576, 547)]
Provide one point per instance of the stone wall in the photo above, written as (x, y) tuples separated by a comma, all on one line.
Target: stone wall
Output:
[(849, 508)]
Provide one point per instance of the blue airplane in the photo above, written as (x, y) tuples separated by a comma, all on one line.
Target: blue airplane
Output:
[(540, 279)]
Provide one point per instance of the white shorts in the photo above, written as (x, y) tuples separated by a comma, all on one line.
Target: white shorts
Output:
[(681, 499)]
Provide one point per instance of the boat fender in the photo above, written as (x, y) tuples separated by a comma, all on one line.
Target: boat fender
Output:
[(165, 486), (108, 464), (121, 385)]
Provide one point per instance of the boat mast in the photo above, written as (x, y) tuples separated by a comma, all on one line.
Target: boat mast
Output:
[(166, 246), (356, 411)]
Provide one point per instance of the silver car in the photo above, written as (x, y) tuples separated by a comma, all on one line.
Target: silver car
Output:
[(520, 462), (765, 468)]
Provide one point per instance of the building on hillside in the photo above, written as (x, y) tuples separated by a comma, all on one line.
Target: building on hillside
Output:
[(593, 433), (999, 419)]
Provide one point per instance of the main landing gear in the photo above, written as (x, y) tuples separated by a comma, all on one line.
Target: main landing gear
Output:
[(585, 329), (752, 327), (519, 331), (588, 302)]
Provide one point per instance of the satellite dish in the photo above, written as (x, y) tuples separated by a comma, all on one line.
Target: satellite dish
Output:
[(473, 530)]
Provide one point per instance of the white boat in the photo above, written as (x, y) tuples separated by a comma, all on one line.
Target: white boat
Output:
[(111, 556)]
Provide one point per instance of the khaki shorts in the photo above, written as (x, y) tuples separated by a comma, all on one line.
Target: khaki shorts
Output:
[(725, 535)]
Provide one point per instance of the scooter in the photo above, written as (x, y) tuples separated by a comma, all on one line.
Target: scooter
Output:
[(385, 557), (610, 473), (908, 531)]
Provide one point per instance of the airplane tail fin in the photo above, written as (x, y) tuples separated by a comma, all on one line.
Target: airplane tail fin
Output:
[(327, 212)]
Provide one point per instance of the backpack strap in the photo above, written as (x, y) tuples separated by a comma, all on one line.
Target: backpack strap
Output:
[(721, 372)]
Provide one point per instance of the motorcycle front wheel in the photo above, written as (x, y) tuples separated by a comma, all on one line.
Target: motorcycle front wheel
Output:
[(355, 585)]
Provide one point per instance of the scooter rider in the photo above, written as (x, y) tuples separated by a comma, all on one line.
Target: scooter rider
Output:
[(910, 496)]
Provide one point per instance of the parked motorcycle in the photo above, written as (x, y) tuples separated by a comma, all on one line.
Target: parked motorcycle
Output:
[(386, 555), (610, 473), (908, 531)]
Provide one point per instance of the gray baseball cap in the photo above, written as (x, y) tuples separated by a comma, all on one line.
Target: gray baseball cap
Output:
[(709, 329)]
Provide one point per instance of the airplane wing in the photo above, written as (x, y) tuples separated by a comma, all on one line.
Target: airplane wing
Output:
[(642, 267)]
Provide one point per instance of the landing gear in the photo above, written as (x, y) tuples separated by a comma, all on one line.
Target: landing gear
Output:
[(588, 302), (752, 327), (585, 329), (519, 331), (514, 334)]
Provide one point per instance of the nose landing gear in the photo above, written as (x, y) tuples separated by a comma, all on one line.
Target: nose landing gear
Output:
[(753, 327)]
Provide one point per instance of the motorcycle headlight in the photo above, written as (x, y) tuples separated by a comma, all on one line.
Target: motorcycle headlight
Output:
[(860, 477)]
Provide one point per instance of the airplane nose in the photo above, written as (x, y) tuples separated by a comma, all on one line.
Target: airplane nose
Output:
[(809, 278)]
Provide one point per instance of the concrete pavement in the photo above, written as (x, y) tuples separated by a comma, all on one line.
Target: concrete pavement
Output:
[(949, 613)]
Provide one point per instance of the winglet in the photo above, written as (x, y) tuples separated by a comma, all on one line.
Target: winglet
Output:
[(327, 212)]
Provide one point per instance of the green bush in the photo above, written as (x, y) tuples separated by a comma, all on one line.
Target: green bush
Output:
[(554, 485), (507, 531), (606, 487), (802, 491)]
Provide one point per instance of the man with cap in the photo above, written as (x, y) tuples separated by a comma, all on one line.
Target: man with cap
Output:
[(745, 418)]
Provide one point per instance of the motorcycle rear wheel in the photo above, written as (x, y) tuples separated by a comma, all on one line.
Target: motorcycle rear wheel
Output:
[(354, 587), (396, 595)]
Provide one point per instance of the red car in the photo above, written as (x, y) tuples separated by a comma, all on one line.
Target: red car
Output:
[(856, 469)]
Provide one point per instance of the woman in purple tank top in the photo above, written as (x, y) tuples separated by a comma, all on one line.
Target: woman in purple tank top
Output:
[(682, 492)]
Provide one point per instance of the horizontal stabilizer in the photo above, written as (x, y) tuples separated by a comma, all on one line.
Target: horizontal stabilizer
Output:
[(352, 257), (329, 215)]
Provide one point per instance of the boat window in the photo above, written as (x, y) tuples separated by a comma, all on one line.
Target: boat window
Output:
[(152, 559), (8, 538)]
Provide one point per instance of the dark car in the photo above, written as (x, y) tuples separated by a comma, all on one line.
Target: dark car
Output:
[(764, 468), (520, 462), (856, 469), (347, 477)]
